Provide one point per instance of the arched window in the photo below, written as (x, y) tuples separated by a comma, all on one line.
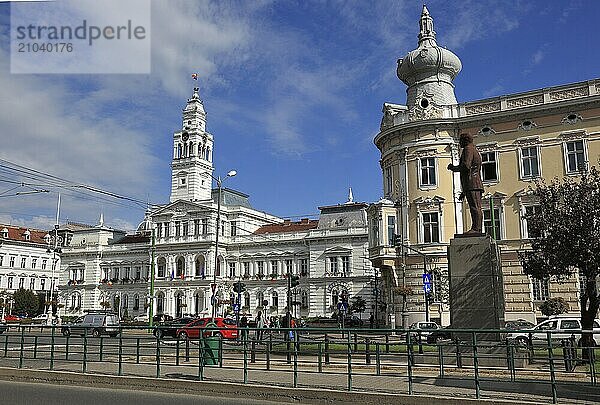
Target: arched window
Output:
[(219, 265), (191, 148), (334, 297), (179, 304), (304, 299), (180, 267), (160, 303), (179, 151), (259, 299), (208, 153), (200, 151), (247, 299), (162, 266), (116, 301), (125, 300), (185, 149), (198, 302), (274, 299), (136, 302), (200, 266)]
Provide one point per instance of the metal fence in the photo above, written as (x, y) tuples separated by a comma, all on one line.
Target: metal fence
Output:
[(475, 364)]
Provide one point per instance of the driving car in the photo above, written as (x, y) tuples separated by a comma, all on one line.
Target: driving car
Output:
[(560, 327), (227, 329), (94, 324), (169, 328), (421, 330)]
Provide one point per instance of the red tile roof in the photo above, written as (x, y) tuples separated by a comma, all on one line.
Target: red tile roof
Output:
[(304, 224), (17, 233)]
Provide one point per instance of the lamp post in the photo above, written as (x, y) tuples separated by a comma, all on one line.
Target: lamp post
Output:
[(219, 181), (55, 249)]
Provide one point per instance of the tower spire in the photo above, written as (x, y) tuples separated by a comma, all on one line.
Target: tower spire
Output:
[(350, 196), (426, 24)]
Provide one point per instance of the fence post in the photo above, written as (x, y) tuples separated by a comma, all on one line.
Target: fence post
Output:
[(441, 360), (120, 353), (5, 344), (177, 351), (137, 351), (187, 350), (157, 357), (349, 364), (268, 353), (22, 347), (409, 363), (253, 351), (52, 348), (101, 347), (320, 358), (458, 354), (35, 341), (355, 342), (326, 349), (200, 358), (378, 358), (221, 351), (295, 360), (476, 366), (387, 343), (84, 365), (367, 351), (246, 358), (551, 364)]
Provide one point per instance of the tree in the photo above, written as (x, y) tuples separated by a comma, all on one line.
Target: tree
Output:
[(26, 302), (567, 230), (554, 306), (358, 305)]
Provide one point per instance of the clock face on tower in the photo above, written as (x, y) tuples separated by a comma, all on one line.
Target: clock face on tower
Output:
[(185, 136)]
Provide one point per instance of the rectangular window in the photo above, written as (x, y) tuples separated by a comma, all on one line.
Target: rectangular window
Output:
[(261, 268), (138, 272), (222, 227), (232, 270), (431, 227), (9, 283), (333, 265), (428, 171), (345, 266), (488, 166), (530, 210), (388, 181), (530, 162), (488, 222), (1, 260), (167, 228), (177, 229), (246, 269), (540, 289), (274, 267), (204, 226), (304, 267), (575, 154), (159, 230), (196, 227), (33, 263), (44, 263), (12, 261), (186, 229), (23, 262), (391, 228), (375, 232), (43, 284), (32, 284), (233, 228), (126, 273), (289, 265), (21, 282)]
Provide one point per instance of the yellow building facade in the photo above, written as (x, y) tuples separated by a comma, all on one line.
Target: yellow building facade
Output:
[(523, 138)]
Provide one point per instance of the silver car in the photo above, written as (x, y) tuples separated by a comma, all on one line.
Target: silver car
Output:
[(560, 327), (94, 324)]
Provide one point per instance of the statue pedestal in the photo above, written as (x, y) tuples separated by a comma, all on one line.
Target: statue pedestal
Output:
[(476, 288)]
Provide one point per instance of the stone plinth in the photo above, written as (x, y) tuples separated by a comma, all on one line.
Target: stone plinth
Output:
[(476, 289)]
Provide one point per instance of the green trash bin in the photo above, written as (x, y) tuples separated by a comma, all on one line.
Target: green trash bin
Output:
[(212, 348)]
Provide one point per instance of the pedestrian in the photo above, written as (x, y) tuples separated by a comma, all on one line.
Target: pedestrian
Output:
[(260, 324), (244, 327), (371, 320)]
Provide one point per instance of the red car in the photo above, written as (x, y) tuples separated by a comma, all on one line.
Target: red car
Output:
[(11, 318), (227, 329)]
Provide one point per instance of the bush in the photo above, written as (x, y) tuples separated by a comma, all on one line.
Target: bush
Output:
[(554, 306)]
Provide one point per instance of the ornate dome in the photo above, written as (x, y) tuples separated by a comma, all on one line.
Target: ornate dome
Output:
[(429, 69)]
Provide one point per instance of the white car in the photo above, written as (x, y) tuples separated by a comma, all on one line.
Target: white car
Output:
[(560, 327), (43, 319), (422, 329)]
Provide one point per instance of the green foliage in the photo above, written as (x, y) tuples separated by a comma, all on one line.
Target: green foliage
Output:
[(358, 304), (568, 225), (554, 306), (26, 302)]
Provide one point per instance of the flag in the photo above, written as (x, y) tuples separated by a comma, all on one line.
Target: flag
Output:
[(195, 76)]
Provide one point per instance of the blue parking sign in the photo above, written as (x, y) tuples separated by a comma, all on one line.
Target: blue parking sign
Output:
[(427, 288), (426, 278), (236, 307)]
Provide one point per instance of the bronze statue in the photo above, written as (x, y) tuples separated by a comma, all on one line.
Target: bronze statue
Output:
[(470, 180)]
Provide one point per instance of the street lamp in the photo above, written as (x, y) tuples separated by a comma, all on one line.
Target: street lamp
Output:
[(54, 250), (219, 181)]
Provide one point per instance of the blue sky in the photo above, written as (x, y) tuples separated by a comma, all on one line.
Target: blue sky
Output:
[(293, 92)]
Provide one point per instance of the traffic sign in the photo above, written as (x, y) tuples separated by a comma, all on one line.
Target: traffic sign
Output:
[(342, 306), (427, 288), (426, 278), (236, 307)]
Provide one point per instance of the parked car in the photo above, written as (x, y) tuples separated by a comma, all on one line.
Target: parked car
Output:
[(560, 327), (227, 328), (160, 318), (519, 324), (169, 328), (94, 324), (11, 318), (439, 335), (421, 330)]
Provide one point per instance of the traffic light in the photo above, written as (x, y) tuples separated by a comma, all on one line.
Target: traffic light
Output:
[(294, 281), (239, 287)]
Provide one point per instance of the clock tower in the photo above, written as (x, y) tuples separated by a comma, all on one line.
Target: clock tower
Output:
[(192, 165)]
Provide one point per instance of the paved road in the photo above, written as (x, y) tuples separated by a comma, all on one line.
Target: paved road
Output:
[(20, 393)]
